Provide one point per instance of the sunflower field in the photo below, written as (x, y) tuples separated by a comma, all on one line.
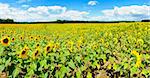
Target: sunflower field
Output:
[(114, 50)]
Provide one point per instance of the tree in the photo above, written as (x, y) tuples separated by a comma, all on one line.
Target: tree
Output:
[(147, 20), (6, 21)]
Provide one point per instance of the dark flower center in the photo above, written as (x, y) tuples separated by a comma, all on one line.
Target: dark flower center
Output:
[(37, 44), (5, 40), (134, 75), (36, 53), (48, 48), (23, 52)]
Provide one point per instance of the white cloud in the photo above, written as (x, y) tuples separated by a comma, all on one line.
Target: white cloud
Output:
[(3, 6), (92, 3), (74, 15), (40, 13), (133, 12), (128, 10), (51, 13), (47, 9)]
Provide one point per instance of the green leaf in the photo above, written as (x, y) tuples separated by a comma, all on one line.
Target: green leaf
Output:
[(116, 66), (82, 68), (126, 65), (94, 64), (144, 71), (63, 71), (71, 64), (103, 56), (134, 70), (8, 61), (2, 67), (57, 74), (63, 59), (30, 72), (78, 73), (46, 75), (86, 59), (78, 58), (1, 61), (89, 75), (43, 63), (16, 72), (33, 66)]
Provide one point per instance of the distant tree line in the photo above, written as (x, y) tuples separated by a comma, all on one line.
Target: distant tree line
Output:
[(71, 21), (6, 21), (11, 21), (147, 20)]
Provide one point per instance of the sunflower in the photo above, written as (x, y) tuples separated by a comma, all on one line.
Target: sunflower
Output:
[(138, 61), (57, 46), (44, 37), (138, 58), (31, 37), (134, 53), (36, 53), (24, 53), (21, 38), (49, 48), (37, 45), (5, 41), (39, 36), (13, 39), (36, 39), (70, 43)]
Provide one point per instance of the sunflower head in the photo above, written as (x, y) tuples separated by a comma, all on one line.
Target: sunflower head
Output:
[(37, 45), (138, 62), (47, 49), (138, 58), (31, 37), (134, 53), (13, 39), (21, 37), (57, 45), (24, 53), (36, 38), (45, 37), (36, 53), (5, 41)]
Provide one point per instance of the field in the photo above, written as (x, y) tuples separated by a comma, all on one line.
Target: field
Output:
[(75, 50)]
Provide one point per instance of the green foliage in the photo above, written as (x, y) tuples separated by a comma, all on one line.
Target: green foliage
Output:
[(75, 50)]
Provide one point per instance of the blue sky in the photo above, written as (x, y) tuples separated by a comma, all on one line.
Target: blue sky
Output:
[(75, 9)]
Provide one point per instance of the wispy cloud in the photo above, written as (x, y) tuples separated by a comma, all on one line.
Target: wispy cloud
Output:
[(92, 3), (23, 1), (25, 6)]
